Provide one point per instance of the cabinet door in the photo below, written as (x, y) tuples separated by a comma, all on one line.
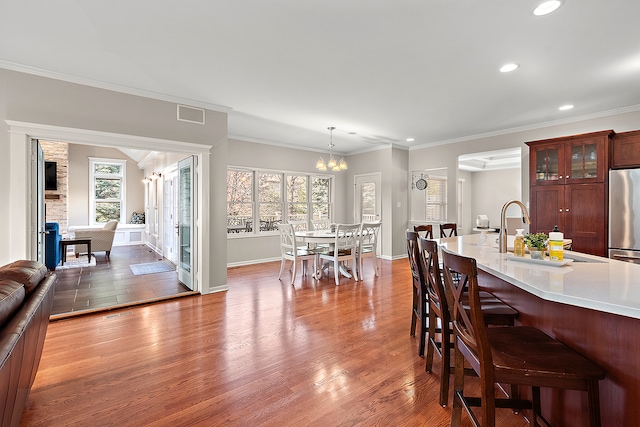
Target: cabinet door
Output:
[(586, 160), (546, 208), (626, 150), (547, 164), (585, 218)]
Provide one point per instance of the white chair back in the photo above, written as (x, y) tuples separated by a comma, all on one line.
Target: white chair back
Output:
[(287, 238), (369, 235), (347, 237), (320, 224), (299, 225)]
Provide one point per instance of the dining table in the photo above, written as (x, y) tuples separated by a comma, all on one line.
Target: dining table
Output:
[(321, 237)]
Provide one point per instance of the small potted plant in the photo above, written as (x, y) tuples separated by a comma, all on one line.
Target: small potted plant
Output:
[(537, 244)]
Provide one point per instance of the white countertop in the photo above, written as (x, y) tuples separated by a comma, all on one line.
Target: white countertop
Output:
[(601, 284)]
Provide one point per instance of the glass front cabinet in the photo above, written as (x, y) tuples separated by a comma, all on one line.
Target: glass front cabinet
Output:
[(570, 160), (568, 188)]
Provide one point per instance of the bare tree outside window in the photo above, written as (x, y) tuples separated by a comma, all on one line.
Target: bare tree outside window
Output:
[(239, 201)]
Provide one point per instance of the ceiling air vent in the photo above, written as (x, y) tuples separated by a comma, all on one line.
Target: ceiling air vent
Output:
[(190, 114)]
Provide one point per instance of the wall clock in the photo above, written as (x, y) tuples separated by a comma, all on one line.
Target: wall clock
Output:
[(421, 184)]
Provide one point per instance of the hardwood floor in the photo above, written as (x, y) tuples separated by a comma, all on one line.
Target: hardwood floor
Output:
[(111, 283), (264, 353)]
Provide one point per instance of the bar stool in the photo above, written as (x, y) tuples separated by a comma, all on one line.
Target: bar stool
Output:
[(495, 312), (427, 229), (448, 229), (512, 354), (419, 309)]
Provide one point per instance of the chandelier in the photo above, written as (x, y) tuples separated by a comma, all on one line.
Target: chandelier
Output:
[(332, 163)]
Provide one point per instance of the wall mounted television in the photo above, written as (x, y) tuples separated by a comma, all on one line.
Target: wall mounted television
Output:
[(50, 176)]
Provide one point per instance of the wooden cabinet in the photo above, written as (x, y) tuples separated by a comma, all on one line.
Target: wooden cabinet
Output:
[(625, 150), (568, 188)]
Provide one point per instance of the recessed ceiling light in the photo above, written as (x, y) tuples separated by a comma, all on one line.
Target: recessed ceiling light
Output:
[(547, 7), (508, 67), (410, 139), (566, 107)]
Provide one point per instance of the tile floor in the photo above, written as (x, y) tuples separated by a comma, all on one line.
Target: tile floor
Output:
[(111, 283)]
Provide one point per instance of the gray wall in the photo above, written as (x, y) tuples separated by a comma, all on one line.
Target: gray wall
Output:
[(490, 190), (79, 182), (446, 155), (34, 99), (243, 248)]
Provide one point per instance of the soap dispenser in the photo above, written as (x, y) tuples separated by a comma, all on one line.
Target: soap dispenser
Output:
[(556, 245), (518, 243)]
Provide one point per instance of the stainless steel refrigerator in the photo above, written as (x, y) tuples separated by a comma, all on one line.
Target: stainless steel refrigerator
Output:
[(624, 215)]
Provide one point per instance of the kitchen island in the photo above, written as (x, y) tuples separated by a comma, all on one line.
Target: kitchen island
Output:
[(591, 304)]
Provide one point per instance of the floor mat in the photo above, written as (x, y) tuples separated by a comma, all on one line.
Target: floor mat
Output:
[(152, 267), (73, 262)]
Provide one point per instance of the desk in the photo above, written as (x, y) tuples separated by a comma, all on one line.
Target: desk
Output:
[(68, 242), (592, 305)]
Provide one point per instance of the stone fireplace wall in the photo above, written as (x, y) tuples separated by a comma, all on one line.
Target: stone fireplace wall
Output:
[(56, 201)]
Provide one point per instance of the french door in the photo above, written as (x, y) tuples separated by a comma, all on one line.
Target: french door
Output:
[(368, 206), (38, 193), (185, 220)]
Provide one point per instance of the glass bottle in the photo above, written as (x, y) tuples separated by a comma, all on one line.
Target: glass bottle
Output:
[(518, 243)]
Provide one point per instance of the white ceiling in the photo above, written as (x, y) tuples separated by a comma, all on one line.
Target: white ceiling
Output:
[(380, 71)]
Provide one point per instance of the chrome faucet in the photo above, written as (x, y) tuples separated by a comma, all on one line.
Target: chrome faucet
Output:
[(502, 238)]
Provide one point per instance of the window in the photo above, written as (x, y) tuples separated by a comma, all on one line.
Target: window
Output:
[(436, 198), (107, 190), (268, 198), (320, 198), (297, 201), (239, 201)]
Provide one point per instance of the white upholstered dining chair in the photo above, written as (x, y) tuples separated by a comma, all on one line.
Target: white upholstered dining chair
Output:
[(368, 245), (290, 251), (344, 249)]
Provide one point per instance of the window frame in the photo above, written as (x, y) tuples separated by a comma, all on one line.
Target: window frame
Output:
[(255, 231), (441, 205), (93, 161)]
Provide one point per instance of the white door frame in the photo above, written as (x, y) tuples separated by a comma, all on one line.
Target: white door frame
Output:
[(23, 201), (376, 178)]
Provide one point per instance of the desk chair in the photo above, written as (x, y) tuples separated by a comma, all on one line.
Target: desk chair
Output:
[(511, 354)]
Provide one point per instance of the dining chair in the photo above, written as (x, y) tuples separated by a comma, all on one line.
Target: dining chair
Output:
[(368, 245), (344, 249), (440, 301), (320, 224), (424, 230), (290, 251), (448, 229), (511, 354), (419, 301)]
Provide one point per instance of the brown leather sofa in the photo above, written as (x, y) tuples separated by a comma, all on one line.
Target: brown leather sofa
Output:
[(26, 296)]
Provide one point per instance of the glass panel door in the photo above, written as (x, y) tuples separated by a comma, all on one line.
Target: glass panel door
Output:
[(185, 221)]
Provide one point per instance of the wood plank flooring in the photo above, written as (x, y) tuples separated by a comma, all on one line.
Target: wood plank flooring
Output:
[(264, 353), (111, 283)]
